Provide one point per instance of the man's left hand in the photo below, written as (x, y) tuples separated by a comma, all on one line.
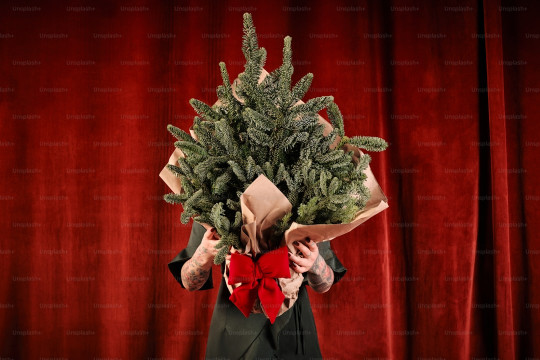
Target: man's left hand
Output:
[(305, 257)]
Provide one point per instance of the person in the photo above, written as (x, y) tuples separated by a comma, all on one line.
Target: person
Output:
[(233, 336)]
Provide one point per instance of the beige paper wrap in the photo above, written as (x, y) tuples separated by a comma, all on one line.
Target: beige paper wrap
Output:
[(263, 204)]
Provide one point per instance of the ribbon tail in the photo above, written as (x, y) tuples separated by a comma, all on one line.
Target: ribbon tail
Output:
[(244, 297), (271, 297)]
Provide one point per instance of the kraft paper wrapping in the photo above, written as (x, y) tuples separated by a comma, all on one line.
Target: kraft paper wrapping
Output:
[(263, 204)]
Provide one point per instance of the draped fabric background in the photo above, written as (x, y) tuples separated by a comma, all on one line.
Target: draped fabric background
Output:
[(449, 271)]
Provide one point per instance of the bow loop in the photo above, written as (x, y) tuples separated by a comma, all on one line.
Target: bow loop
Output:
[(275, 263), (242, 271)]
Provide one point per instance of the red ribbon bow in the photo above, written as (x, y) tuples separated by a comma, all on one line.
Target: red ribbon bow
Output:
[(258, 278)]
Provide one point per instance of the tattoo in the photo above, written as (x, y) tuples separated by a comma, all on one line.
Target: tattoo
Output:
[(195, 271), (320, 276)]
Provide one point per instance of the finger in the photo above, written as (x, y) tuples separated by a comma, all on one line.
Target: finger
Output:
[(298, 260), (301, 269), (296, 268), (312, 245), (215, 234), (209, 234), (304, 249)]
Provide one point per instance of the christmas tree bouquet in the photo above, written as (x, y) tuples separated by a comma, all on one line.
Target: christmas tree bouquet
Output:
[(265, 169)]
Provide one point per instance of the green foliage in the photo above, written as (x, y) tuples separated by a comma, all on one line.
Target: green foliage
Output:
[(180, 134), (370, 143), (264, 132)]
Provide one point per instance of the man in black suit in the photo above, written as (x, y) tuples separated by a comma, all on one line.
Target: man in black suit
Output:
[(233, 336)]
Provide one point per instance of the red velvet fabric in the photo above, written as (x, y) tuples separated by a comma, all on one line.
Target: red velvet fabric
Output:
[(87, 89)]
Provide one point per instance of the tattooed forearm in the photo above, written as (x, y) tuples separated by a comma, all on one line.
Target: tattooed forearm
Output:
[(196, 270), (320, 276)]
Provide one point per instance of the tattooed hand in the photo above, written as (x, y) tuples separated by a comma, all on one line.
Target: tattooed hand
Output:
[(320, 275), (208, 244), (196, 270), (305, 256)]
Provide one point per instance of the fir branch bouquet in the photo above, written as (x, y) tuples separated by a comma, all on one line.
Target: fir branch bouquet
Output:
[(260, 126)]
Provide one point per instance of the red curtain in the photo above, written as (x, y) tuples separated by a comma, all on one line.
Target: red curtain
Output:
[(449, 271)]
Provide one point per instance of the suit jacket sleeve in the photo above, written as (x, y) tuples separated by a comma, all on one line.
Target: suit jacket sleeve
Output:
[(175, 266), (325, 250)]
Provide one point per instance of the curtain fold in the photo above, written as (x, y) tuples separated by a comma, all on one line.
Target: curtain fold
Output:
[(505, 339)]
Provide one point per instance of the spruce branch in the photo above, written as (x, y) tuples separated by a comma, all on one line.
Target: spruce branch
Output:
[(258, 120), (285, 74), (301, 88), (180, 134), (249, 42), (204, 111), (370, 143), (336, 119), (174, 199), (313, 105)]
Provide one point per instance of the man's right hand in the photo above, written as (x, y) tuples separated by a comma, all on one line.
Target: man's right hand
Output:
[(196, 270), (207, 249)]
